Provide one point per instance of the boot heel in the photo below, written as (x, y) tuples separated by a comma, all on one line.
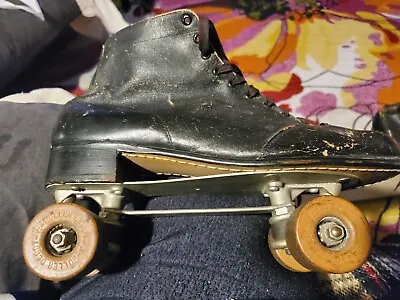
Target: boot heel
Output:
[(82, 164)]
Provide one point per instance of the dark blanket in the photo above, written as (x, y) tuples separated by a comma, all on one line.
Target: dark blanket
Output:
[(23, 36), (25, 131)]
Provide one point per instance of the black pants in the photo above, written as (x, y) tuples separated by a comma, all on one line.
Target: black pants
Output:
[(198, 257)]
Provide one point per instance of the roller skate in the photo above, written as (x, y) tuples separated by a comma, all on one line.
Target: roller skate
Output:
[(168, 114)]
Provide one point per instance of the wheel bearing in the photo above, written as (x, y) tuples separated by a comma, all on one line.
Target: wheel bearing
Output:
[(61, 240), (332, 233)]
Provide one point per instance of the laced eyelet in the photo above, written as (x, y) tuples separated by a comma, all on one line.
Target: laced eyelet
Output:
[(196, 38), (205, 57), (186, 19)]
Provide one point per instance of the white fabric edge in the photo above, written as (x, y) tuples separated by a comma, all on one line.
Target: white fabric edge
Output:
[(45, 95)]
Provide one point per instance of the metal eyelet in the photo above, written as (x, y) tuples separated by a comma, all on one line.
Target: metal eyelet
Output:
[(247, 96), (215, 71), (196, 38), (230, 83), (186, 19), (205, 57)]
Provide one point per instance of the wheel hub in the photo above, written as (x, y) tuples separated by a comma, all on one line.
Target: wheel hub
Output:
[(61, 240), (332, 233)]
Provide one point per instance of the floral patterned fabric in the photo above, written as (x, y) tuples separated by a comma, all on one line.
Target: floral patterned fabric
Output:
[(313, 58)]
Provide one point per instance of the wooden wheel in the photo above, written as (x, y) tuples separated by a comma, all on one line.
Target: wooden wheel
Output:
[(283, 258), (329, 234), (61, 242)]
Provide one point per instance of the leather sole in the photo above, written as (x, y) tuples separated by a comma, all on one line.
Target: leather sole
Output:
[(104, 163)]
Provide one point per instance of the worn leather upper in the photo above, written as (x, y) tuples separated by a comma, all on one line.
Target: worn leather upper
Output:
[(154, 90), (388, 121)]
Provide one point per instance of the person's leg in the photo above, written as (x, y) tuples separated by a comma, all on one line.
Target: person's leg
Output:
[(200, 257)]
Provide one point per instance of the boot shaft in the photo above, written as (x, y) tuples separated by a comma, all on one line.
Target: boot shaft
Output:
[(156, 58)]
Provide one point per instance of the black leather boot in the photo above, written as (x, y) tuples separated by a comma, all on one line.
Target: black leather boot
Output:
[(166, 100), (388, 121), (166, 94)]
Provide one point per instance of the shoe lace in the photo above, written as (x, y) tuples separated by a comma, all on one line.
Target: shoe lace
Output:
[(206, 42)]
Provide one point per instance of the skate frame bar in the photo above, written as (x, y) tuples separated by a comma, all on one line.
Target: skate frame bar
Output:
[(205, 211)]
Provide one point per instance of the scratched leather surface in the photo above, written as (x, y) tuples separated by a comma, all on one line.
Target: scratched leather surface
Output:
[(152, 89)]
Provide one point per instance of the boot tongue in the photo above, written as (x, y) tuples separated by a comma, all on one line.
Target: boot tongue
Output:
[(209, 40)]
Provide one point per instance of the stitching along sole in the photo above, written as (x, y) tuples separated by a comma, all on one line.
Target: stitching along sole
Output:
[(165, 165)]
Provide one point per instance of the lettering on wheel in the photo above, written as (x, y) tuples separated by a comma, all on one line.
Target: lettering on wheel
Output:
[(37, 233)]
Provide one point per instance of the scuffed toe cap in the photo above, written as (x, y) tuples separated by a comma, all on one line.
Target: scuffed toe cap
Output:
[(334, 142)]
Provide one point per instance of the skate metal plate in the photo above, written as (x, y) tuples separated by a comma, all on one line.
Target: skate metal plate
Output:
[(282, 188), (244, 182)]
